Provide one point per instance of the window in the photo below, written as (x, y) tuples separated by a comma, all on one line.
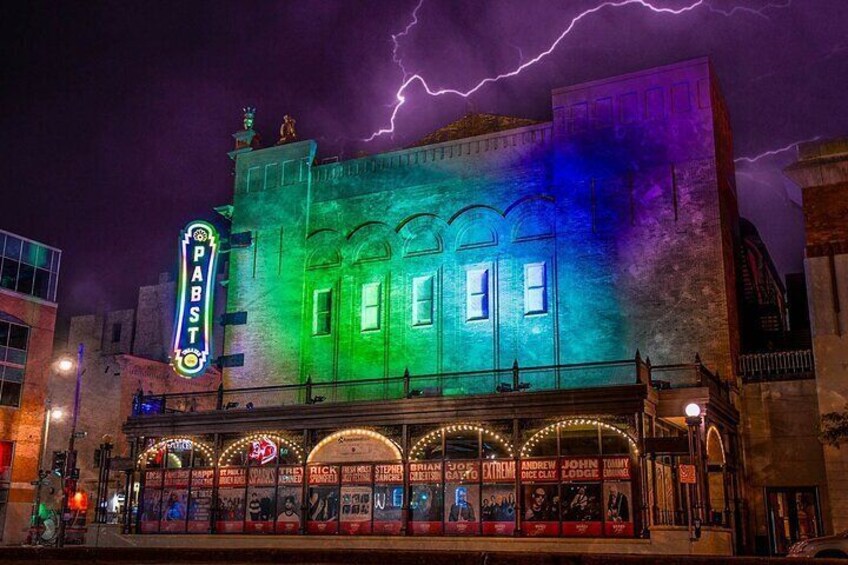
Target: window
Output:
[(477, 294), (422, 301), (535, 298), (322, 306), (371, 307), (116, 333), (13, 350), (28, 267)]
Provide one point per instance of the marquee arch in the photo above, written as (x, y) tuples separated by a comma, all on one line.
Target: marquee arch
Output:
[(242, 443), (205, 449), (574, 422), (373, 446), (430, 438)]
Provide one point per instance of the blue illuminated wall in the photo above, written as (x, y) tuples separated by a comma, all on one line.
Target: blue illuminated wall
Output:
[(582, 239)]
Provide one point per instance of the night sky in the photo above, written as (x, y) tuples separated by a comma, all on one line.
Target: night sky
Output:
[(116, 117)]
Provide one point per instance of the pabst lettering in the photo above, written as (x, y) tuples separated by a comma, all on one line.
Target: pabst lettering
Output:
[(193, 329)]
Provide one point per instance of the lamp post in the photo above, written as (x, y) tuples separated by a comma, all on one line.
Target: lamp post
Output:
[(693, 423), (50, 413), (70, 466)]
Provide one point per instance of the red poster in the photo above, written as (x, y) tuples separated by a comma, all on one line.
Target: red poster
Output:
[(495, 471), (387, 528), (580, 469), (498, 528), (539, 471), (322, 527), (459, 472), (176, 478), (356, 474), (425, 472), (388, 474), (462, 528), (426, 528), (617, 468), (323, 474), (261, 476), (619, 529), (581, 529), (356, 528), (232, 477), (290, 475), (538, 529), (202, 478), (153, 479)]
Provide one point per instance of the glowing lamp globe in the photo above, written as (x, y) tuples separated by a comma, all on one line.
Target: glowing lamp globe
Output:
[(65, 365), (693, 410), (56, 414)]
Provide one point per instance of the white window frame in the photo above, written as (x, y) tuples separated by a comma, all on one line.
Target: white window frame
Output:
[(473, 311), (535, 306), (371, 312), (423, 308), (321, 329)]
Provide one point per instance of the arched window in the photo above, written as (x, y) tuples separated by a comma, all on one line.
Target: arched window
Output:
[(260, 478), (177, 486), (463, 477), (577, 480)]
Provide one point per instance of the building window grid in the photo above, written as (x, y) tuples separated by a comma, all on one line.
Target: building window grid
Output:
[(535, 289), (28, 267), (14, 340)]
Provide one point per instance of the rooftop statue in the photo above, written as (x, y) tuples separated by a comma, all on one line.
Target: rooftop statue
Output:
[(287, 131), (249, 115)]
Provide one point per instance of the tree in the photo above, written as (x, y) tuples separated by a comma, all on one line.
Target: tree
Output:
[(834, 427)]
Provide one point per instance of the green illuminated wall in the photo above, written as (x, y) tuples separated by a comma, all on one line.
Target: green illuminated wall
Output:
[(624, 217)]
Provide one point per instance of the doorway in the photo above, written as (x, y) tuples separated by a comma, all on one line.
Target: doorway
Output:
[(793, 515)]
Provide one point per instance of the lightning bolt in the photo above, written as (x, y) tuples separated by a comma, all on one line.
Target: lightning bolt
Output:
[(410, 79), (772, 152), (397, 36)]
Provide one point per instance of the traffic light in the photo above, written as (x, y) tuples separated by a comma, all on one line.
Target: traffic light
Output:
[(60, 461)]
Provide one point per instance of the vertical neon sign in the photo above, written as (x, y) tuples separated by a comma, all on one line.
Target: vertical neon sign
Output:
[(192, 350)]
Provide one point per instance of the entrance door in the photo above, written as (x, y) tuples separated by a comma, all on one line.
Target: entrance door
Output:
[(793, 515)]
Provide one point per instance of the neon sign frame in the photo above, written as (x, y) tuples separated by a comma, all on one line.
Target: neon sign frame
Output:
[(192, 351)]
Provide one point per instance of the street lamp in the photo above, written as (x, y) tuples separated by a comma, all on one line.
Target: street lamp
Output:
[(63, 365), (693, 424), (70, 482)]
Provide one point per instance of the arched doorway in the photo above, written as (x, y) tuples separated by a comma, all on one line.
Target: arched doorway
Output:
[(355, 484), (719, 510), (177, 479), (260, 485), (578, 480), (462, 482)]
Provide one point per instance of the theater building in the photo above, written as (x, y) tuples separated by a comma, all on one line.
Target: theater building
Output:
[(493, 334)]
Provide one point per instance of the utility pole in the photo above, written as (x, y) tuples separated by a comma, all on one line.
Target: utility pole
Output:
[(70, 482)]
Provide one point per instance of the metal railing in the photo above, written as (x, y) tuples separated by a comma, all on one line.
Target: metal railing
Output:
[(686, 375), (465, 383), (777, 366)]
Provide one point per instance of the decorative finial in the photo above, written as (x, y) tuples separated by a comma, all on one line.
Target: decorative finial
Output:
[(287, 131), (249, 116)]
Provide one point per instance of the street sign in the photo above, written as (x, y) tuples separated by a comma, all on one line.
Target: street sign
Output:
[(687, 474), (80, 435), (75, 473)]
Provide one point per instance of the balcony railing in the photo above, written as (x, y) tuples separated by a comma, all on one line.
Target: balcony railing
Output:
[(514, 379), (777, 366), (467, 383)]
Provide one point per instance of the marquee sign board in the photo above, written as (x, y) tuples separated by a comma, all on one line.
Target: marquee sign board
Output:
[(192, 351)]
